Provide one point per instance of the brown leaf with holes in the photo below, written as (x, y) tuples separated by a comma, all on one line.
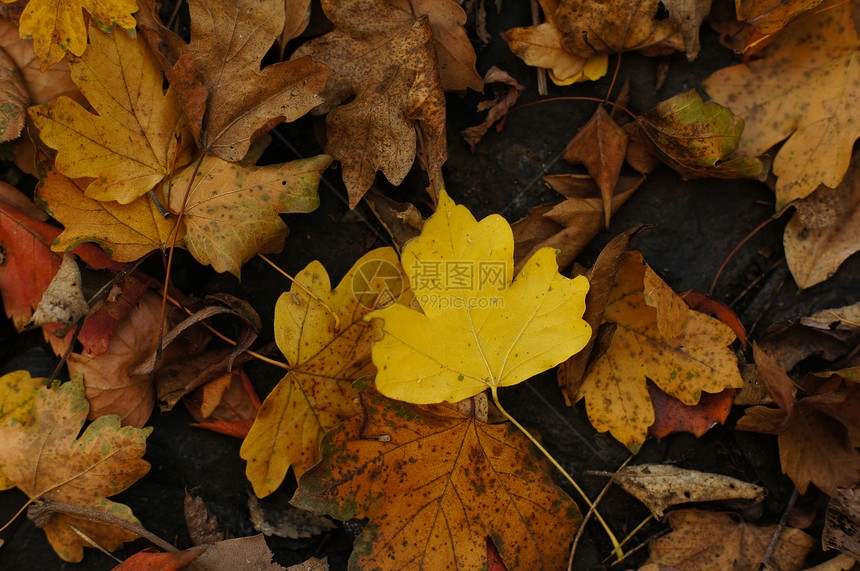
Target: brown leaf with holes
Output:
[(435, 484), (394, 59), (228, 100), (703, 541)]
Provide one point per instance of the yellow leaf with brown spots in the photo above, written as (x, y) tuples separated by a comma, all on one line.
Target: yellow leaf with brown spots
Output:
[(231, 209), (327, 349), (125, 232), (656, 337), (17, 392), (58, 26), (806, 88), (137, 134), (435, 484), (46, 460)]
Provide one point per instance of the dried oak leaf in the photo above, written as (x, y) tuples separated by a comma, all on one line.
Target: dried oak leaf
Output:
[(656, 337), (487, 331), (818, 438), (601, 146), (58, 26), (825, 230), (231, 209), (804, 88), (327, 344), (395, 59), (125, 232), (137, 134), (698, 139), (703, 541), (17, 394), (228, 100), (46, 460), (435, 484)]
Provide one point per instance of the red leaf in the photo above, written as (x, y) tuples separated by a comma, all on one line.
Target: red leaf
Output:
[(671, 415), (151, 561)]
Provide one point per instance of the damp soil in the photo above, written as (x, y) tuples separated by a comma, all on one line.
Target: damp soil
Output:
[(697, 224)]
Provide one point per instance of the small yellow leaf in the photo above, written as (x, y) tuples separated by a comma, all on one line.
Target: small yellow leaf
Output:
[(656, 337), (328, 348), (487, 332)]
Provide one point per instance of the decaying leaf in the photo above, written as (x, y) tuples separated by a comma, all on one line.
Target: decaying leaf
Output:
[(231, 210), (228, 100), (843, 520), (769, 16), (600, 145), (15, 99), (506, 91), (803, 89), (203, 527), (63, 302), (775, 380), (395, 58), (401, 220), (660, 486), (698, 139), (618, 26), (58, 26), (657, 337), (702, 541), (240, 553), (436, 484), (46, 460), (818, 439), (823, 232), (327, 344), (286, 521), (227, 405), (137, 135), (488, 332)]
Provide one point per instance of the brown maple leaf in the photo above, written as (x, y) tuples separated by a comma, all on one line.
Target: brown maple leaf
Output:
[(228, 100), (436, 484), (395, 59)]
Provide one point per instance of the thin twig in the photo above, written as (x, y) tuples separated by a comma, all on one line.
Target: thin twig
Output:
[(641, 545), (41, 513), (735, 251), (778, 531), (755, 282), (590, 511)]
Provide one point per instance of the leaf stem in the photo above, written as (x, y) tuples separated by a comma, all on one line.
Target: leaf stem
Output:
[(19, 512), (615, 545), (304, 289)]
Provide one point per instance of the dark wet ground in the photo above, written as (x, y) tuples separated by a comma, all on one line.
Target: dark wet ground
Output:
[(698, 224)]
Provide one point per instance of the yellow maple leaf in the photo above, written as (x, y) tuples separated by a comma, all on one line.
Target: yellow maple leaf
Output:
[(805, 88), (46, 460), (57, 26), (656, 337), (124, 231), (486, 331), (17, 391), (327, 349), (138, 135)]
